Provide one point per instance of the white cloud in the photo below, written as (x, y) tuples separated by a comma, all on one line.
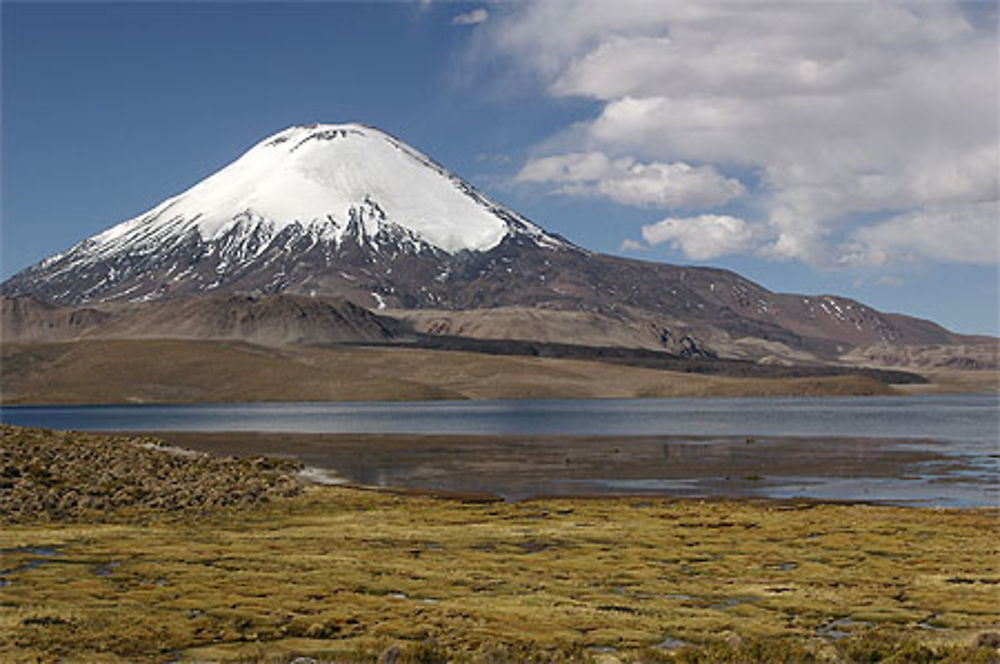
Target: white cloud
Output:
[(951, 234), (473, 17), (703, 237), (846, 111), (628, 244), (625, 180)]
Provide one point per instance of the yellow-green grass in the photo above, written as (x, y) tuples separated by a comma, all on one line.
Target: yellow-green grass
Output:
[(339, 571)]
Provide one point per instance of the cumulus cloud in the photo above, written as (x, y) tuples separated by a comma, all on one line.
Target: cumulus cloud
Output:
[(625, 180), (703, 237), (951, 234), (848, 112), (473, 17), (628, 244)]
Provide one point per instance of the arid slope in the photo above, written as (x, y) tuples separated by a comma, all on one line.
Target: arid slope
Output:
[(272, 320), (189, 371)]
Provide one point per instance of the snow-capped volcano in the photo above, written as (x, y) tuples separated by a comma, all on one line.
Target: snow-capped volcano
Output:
[(348, 211), (306, 195), (321, 177)]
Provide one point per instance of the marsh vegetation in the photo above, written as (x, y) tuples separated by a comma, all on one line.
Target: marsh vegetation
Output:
[(342, 574)]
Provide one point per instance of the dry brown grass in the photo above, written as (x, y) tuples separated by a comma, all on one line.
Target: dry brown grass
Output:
[(174, 371), (47, 474), (956, 381)]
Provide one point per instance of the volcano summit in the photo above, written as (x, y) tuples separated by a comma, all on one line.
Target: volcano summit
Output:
[(295, 205)]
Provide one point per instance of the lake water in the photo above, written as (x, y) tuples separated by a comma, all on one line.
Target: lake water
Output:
[(955, 418), (963, 430)]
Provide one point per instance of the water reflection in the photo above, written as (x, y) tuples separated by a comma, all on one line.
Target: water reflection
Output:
[(942, 450)]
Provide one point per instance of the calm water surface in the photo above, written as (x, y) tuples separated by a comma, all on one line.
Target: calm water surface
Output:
[(955, 418), (962, 427)]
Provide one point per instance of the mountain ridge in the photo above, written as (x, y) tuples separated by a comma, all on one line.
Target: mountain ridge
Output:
[(351, 212)]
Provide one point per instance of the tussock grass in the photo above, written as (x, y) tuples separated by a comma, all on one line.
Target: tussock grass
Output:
[(62, 475), (345, 575)]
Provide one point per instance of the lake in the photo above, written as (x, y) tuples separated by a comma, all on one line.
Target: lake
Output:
[(931, 449)]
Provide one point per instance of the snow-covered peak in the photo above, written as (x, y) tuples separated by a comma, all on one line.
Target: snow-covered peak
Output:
[(325, 175)]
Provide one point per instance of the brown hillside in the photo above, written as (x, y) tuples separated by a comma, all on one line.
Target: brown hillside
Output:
[(190, 371), (272, 320)]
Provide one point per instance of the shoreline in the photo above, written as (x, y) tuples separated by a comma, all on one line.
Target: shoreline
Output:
[(514, 468), (940, 383), (957, 387)]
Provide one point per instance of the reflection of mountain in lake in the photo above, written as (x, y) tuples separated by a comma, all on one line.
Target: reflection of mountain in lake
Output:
[(939, 450)]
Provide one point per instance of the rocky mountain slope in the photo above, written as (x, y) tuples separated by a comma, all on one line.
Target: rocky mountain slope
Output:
[(349, 212), (271, 320), (955, 356)]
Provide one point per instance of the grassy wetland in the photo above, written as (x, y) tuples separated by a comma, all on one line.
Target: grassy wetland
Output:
[(343, 574)]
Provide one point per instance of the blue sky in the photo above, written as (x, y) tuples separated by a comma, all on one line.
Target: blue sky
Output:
[(832, 151)]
